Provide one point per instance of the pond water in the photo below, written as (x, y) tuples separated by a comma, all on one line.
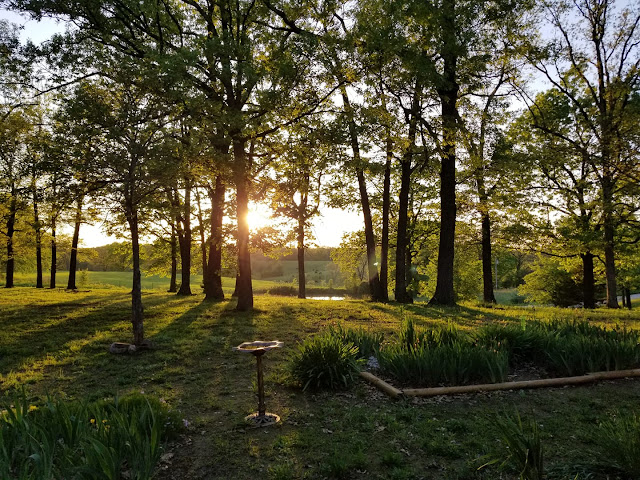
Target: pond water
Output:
[(325, 298)]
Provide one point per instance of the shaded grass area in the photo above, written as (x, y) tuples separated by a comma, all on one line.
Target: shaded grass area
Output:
[(56, 342)]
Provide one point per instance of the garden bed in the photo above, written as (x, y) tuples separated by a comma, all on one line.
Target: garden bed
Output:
[(532, 352)]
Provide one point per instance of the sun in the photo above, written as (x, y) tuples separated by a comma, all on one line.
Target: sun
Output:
[(259, 216)]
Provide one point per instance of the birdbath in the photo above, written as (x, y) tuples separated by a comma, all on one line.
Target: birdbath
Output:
[(258, 348)]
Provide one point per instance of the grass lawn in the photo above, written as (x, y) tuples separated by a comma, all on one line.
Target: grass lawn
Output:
[(55, 343), (86, 279)]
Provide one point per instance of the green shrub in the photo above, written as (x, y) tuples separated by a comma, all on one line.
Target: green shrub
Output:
[(368, 343), (455, 364), (620, 443), (325, 361), (82, 440), (551, 282)]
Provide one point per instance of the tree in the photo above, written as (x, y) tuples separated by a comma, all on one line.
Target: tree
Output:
[(131, 162), (14, 129), (298, 185), (594, 61), (233, 57), (561, 178), (351, 257)]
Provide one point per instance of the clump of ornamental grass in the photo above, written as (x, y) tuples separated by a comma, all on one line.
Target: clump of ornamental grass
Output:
[(325, 362), (412, 337), (457, 364), (115, 439), (566, 348), (368, 343)]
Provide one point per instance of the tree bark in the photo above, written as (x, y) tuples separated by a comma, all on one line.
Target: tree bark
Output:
[(609, 242), (54, 255), (448, 93), (302, 280), (137, 317), (624, 297), (488, 295), (173, 287), (73, 260), (401, 293), (11, 223), (243, 280), (628, 296), (38, 233), (185, 243), (203, 243), (213, 278), (372, 269), (588, 280), (386, 206)]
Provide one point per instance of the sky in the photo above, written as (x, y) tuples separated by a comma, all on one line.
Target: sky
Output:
[(327, 229)]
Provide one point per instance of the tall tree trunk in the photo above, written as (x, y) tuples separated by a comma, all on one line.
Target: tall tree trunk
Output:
[(73, 260), (403, 256), (624, 297), (488, 295), (386, 206), (213, 278), (609, 242), (628, 296), (203, 243), (588, 280), (173, 287), (243, 280), (302, 280), (185, 243), (137, 317), (11, 223), (448, 93), (38, 233), (54, 255), (372, 269), (402, 242)]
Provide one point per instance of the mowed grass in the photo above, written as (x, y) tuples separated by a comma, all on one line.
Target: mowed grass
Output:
[(56, 343)]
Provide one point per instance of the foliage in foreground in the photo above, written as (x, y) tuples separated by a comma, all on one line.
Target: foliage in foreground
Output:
[(565, 348), (325, 361), (620, 442), (115, 439), (523, 451), (368, 343)]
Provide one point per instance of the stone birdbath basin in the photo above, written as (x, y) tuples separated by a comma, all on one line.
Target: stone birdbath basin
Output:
[(258, 348)]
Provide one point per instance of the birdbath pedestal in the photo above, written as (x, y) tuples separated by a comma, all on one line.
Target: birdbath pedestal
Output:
[(258, 348)]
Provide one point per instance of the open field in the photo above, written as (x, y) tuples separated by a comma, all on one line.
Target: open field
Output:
[(55, 342)]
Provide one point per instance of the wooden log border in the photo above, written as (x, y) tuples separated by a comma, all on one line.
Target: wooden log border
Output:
[(492, 387)]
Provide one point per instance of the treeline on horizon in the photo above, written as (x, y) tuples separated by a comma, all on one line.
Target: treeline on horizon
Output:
[(466, 133)]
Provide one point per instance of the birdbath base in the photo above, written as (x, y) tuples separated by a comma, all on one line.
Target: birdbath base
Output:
[(258, 348), (262, 420)]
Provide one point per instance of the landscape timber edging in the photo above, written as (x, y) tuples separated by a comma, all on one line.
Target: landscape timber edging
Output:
[(491, 387)]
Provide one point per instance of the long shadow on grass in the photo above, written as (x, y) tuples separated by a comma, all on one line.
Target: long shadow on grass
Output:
[(460, 315), (71, 339), (20, 316), (41, 336)]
